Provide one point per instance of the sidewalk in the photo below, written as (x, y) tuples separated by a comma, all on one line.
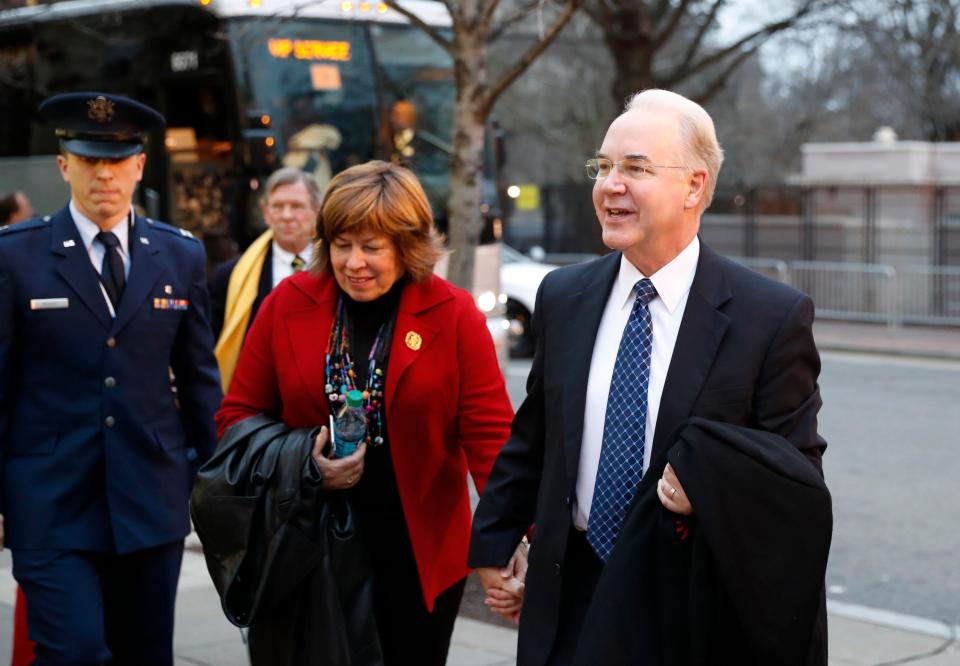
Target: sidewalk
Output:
[(936, 342), (858, 636)]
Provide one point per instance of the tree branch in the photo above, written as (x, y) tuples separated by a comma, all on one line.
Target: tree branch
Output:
[(524, 61), (686, 70), (509, 21), (720, 81), (697, 41), (488, 11), (432, 32), (674, 22)]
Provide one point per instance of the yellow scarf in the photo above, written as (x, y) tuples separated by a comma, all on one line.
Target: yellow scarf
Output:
[(241, 293)]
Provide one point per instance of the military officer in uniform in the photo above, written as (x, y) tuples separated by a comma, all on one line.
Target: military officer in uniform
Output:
[(108, 386)]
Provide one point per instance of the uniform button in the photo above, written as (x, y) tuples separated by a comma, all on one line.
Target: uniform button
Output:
[(111, 342), (556, 568), (568, 500), (109, 382), (109, 421)]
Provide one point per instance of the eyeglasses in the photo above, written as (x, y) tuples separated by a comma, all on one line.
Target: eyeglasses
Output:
[(630, 167)]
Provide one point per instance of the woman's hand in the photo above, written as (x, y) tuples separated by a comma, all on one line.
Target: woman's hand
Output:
[(338, 473)]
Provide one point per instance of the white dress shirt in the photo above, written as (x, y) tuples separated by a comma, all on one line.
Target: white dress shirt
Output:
[(672, 282), (283, 261), (88, 233)]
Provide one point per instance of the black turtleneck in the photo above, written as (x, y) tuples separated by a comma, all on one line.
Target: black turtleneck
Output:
[(366, 318), (375, 496)]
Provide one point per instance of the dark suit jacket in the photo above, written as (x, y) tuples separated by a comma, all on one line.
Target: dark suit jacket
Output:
[(221, 282), (744, 355), (98, 451)]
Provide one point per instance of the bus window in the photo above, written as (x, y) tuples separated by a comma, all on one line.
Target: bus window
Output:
[(317, 80), (416, 77)]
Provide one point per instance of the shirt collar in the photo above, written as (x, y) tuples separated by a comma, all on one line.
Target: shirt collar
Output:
[(672, 281), (88, 229), (286, 258)]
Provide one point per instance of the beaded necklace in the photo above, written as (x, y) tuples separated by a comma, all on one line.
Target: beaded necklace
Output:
[(341, 377)]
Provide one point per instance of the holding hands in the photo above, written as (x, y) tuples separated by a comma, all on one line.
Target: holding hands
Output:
[(505, 586)]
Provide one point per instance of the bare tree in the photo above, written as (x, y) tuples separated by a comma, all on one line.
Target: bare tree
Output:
[(919, 45), (639, 33), (475, 24)]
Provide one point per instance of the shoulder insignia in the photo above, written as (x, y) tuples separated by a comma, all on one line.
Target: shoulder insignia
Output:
[(27, 225), (169, 228)]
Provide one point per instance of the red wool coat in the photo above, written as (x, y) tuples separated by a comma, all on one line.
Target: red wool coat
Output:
[(447, 407)]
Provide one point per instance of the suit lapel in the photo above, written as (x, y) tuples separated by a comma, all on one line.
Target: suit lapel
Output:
[(309, 332), (415, 301), (584, 311), (701, 331), (145, 270), (75, 267)]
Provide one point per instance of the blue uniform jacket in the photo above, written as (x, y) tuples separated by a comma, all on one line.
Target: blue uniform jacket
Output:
[(103, 421)]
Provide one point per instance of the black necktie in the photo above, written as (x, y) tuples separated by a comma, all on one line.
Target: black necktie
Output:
[(112, 274)]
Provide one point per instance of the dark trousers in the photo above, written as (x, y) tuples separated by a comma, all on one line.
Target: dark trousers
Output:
[(88, 609), (582, 569), (409, 634)]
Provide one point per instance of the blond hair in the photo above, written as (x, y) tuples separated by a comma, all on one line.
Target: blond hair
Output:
[(700, 147)]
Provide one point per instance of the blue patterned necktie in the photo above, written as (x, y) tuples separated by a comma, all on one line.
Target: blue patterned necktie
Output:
[(624, 428)]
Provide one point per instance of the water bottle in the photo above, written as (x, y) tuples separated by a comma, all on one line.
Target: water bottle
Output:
[(350, 428)]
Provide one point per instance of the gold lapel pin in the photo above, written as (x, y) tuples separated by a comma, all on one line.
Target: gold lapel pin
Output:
[(413, 340)]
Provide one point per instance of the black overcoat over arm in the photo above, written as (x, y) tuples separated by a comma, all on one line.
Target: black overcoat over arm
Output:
[(283, 554), (741, 582)]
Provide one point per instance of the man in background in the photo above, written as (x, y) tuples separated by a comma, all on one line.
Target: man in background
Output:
[(290, 208), (14, 207)]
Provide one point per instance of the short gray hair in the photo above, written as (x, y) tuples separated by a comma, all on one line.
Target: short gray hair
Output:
[(700, 146), (292, 176)]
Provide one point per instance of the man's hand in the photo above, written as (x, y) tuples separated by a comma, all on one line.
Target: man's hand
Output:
[(505, 587), (339, 473), (671, 493)]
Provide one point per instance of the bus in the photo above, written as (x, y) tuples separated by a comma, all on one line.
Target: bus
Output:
[(246, 86)]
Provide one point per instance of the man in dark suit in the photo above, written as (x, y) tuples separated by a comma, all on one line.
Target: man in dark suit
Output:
[(290, 207), (627, 347), (108, 386)]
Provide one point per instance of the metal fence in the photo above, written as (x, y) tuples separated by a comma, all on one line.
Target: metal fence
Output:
[(871, 292)]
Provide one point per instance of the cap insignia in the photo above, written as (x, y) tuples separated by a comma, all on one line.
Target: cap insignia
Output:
[(101, 109)]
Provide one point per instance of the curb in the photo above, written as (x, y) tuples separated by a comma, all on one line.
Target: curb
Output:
[(928, 354), (892, 620)]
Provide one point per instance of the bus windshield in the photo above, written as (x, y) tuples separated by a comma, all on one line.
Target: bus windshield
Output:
[(339, 93)]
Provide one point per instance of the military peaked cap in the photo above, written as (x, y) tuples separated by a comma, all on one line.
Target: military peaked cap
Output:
[(92, 124)]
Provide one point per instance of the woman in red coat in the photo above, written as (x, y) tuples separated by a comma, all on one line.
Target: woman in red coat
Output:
[(371, 316)]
